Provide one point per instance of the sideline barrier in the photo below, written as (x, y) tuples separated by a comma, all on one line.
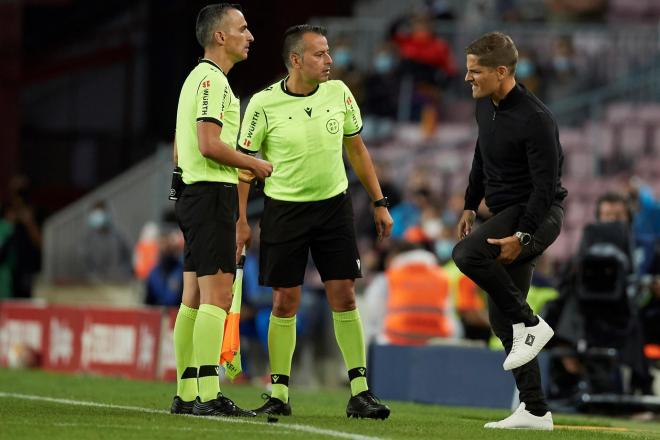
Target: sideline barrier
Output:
[(439, 374), (133, 343)]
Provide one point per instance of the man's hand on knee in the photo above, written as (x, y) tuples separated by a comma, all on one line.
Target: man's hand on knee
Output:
[(510, 248)]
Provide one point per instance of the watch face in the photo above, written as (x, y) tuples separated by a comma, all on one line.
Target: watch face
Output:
[(523, 237)]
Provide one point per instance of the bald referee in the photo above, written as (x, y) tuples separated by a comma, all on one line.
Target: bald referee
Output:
[(207, 124), (300, 124)]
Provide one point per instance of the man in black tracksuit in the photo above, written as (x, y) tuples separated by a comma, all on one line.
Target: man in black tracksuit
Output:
[(517, 169)]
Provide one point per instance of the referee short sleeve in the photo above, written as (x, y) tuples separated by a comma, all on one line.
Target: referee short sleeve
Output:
[(213, 98), (254, 127), (353, 119)]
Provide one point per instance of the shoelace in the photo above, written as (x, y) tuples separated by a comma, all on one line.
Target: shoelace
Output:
[(227, 401), (516, 341)]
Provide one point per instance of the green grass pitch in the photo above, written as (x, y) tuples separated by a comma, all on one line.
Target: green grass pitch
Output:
[(39, 405)]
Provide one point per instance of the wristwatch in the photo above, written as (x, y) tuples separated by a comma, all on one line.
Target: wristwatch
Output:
[(523, 237), (382, 203)]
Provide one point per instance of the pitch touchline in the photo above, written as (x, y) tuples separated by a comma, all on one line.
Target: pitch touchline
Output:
[(290, 426)]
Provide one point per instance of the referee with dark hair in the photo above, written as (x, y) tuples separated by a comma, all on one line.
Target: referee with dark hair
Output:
[(207, 125), (300, 124), (517, 169)]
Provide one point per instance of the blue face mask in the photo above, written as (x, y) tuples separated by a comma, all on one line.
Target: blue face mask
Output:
[(342, 57), (443, 249), (97, 219), (562, 64), (524, 68), (383, 63), (449, 217)]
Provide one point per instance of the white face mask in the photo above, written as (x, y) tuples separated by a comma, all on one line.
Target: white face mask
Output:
[(97, 219), (432, 227)]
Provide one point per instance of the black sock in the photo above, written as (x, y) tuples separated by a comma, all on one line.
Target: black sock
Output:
[(532, 322)]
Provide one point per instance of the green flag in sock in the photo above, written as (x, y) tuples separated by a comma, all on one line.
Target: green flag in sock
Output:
[(207, 343), (281, 344), (350, 338), (186, 370)]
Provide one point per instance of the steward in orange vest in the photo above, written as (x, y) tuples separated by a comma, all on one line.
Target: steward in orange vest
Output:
[(418, 301)]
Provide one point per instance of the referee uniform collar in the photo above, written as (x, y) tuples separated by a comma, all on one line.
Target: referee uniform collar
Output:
[(206, 60), (297, 95), (512, 98)]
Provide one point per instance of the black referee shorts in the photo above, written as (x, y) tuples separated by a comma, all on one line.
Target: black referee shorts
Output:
[(206, 212), (289, 230)]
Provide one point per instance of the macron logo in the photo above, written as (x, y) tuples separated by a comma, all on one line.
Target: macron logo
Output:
[(276, 378)]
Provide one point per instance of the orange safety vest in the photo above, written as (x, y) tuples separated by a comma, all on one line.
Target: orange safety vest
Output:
[(417, 304), (145, 258)]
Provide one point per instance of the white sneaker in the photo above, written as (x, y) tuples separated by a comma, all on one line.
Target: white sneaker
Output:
[(523, 419), (527, 342)]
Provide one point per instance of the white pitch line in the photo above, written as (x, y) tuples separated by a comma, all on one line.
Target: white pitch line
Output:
[(291, 426)]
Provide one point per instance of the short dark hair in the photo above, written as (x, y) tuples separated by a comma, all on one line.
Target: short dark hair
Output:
[(293, 39), (208, 18), (614, 198), (494, 49)]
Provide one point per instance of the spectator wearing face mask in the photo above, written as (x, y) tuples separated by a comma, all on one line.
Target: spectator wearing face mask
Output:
[(104, 252), (528, 72), (165, 281), (344, 67), (564, 79), (381, 94)]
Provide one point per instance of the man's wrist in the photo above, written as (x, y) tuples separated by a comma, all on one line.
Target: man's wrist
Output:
[(381, 203), (524, 238)]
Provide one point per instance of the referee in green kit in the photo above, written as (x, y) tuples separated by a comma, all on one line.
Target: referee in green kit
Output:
[(300, 124), (207, 124)]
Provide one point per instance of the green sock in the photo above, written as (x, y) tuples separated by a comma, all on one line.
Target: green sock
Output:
[(281, 344), (350, 338), (207, 343), (186, 370)]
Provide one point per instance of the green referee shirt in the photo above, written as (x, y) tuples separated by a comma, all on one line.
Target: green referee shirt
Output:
[(302, 136), (206, 96)]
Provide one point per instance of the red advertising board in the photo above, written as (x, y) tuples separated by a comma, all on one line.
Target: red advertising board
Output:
[(167, 370), (101, 340), (62, 347), (121, 342), (22, 333)]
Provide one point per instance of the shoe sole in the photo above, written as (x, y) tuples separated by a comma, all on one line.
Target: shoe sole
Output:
[(380, 414), (212, 413), (181, 409), (531, 428), (217, 414), (285, 413)]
